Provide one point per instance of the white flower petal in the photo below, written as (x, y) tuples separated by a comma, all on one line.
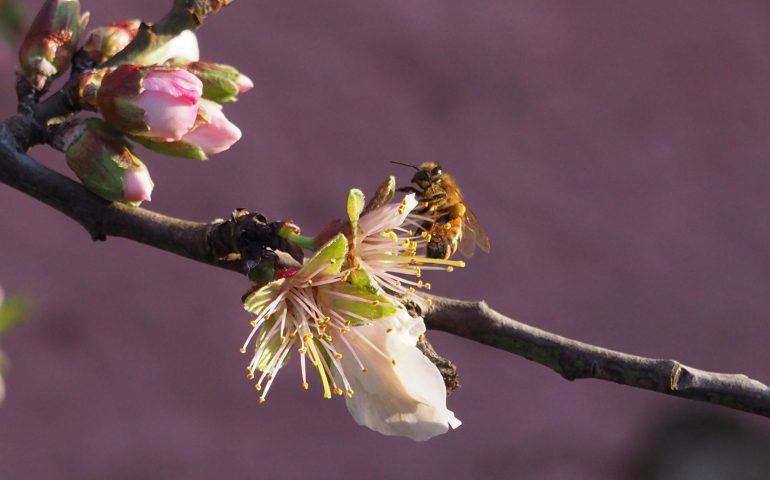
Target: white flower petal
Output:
[(406, 399)]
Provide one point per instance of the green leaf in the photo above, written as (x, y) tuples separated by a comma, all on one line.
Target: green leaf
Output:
[(11, 20), (13, 311)]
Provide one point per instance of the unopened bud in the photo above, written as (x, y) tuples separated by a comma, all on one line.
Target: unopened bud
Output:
[(181, 48), (221, 83), (155, 102), (212, 133), (47, 49), (103, 161), (104, 42)]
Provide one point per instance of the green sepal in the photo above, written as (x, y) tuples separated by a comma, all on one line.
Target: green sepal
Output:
[(271, 348), (257, 300), (361, 279), (369, 305), (355, 207), (332, 254), (174, 149), (100, 157)]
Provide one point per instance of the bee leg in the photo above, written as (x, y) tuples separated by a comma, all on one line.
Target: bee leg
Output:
[(409, 189)]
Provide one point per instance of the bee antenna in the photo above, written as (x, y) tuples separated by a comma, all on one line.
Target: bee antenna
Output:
[(405, 164)]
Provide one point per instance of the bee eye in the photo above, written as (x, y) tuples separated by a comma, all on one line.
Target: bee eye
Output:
[(436, 171)]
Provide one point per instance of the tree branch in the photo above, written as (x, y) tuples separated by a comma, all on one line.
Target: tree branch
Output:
[(239, 243), (574, 360), (221, 244)]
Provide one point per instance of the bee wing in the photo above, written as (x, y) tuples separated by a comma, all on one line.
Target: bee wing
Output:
[(473, 234)]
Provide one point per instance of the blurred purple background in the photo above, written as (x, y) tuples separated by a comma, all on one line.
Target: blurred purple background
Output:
[(617, 153)]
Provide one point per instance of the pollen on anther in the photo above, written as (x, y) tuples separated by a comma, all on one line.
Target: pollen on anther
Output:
[(450, 269), (349, 393), (242, 350), (427, 286), (262, 399), (305, 385), (337, 390)]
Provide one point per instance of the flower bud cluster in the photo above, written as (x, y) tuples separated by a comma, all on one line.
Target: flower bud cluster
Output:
[(162, 97)]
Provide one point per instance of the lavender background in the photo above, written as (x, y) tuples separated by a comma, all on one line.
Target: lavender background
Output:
[(617, 153)]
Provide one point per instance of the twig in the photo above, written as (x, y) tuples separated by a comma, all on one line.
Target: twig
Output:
[(574, 360)]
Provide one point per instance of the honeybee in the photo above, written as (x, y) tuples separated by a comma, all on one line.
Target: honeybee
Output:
[(451, 223)]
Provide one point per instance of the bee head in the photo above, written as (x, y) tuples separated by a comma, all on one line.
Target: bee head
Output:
[(428, 173)]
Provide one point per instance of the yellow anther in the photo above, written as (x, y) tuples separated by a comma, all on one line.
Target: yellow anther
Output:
[(338, 390), (302, 350), (337, 355), (412, 290), (333, 261), (253, 323), (250, 376), (430, 302), (364, 370), (310, 281), (269, 377), (427, 286), (420, 284), (258, 387), (283, 339), (450, 268), (243, 350), (393, 362), (389, 330), (417, 272), (262, 399), (349, 392), (305, 385)]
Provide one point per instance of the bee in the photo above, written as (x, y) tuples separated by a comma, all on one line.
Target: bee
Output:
[(451, 224)]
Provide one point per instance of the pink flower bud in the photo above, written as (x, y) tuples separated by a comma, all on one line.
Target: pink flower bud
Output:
[(104, 42), (182, 47), (158, 103), (51, 40), (138, 185), (103, 161), (244, 83), (214, 133)]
